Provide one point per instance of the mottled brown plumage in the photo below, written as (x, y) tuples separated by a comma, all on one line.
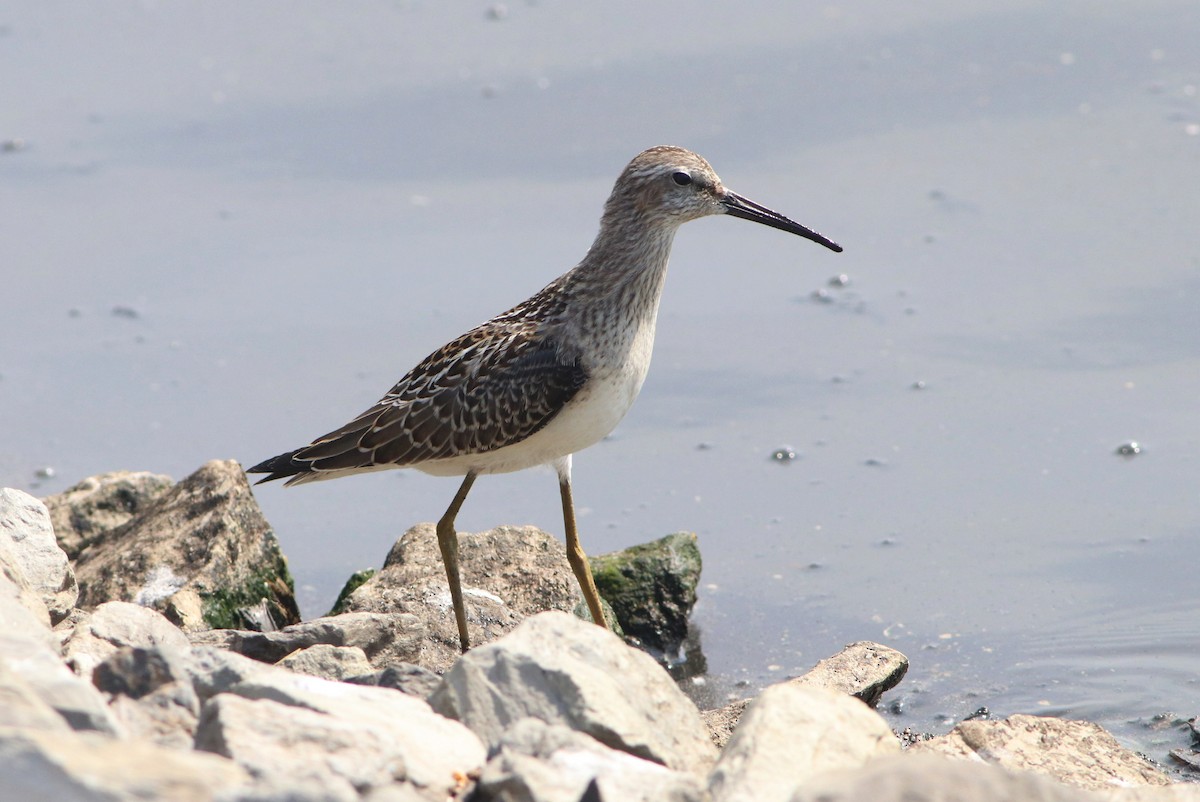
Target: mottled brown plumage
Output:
[(548, 377)]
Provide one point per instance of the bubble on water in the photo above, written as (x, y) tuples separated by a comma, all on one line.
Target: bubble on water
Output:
[(784, 454)]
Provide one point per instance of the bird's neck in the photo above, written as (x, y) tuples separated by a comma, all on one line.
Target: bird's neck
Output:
[(625, 268)]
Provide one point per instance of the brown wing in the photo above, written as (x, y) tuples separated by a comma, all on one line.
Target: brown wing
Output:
[(492, 387)]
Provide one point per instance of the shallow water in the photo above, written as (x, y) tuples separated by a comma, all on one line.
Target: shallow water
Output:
[(294, 205)]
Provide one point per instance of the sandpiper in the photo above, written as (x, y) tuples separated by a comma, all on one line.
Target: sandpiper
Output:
[(552, 375)]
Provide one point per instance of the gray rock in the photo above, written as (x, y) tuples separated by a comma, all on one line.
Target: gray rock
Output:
[(151, 695), (84, 513), (385, 638), (405, 677), (1077, 753), (202, 554), (85, 767), (791, 733), (27, 546), (277, 744), (561, 670), (863, 669), (135, 671), (331, 662), (112, 625), (652, 588), (44, 673), (213, 670), (925, 778), (507, 573), (342, 737), (539, 762)]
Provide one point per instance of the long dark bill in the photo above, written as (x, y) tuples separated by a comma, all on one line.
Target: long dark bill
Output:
[(738, 206)]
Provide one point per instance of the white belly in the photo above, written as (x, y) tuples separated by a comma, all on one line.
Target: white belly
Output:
[(586, 419)]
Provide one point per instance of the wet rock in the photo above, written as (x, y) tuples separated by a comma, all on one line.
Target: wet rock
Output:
[(112, 625), (340, 738), (863, 669), (539, 762), (1078, 753), (652, 588), (507, 573), (791, 733), (925, 778), (561, 670), (84, 513), (405, 677), (84, 767), (385, 638), (202, 554), (330, 662), (28, 548)]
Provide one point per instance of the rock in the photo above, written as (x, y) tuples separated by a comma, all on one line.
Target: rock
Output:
[(791, 733), (23, 614), (1078, 753), (151, 694), (27, 546), (925, 778), (652, 588), (20, 706), (115, 624), (385, 638), (507, 573), (539, 762), (84, 767), (561, 670), (405, 677), (342, 738), (202, 554), (330, 662), (83, 514), (42, 670), (863, 669), (356, 580)]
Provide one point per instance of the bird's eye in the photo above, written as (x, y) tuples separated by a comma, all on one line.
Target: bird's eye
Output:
[(681, 178)]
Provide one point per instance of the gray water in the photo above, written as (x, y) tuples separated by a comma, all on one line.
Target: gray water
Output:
[(227, 228)]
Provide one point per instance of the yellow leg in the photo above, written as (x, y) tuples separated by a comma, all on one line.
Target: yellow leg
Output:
[(575, 555), (448, 543)]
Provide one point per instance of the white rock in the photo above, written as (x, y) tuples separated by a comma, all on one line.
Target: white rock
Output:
[(20, 706), (559, 669), (369, 736), (791, 733), (86, 767), (330, 662), (27, 541), (539, 762), (116, 624), (75, 699), (925, 778)]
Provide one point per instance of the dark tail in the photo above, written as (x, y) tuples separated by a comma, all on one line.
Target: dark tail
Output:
[(280, 467)]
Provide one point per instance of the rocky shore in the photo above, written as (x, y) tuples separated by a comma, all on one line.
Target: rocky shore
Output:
[(151, 649)]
